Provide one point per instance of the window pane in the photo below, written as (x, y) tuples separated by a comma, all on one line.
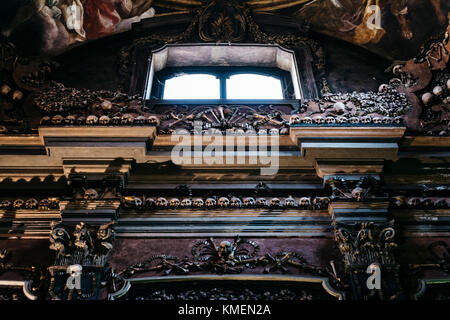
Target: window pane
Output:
[(192, 86), (253, 86)]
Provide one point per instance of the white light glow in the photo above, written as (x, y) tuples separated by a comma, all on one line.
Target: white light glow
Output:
[(253, 86), (192, 86)]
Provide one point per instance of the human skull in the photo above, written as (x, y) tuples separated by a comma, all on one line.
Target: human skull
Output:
[(236, 202), (448, 84), (438, 91), (174, 202), (427, 98), (330, 120), (414, 202), (70, 120), (377, 120), (31, 203), (140, 120), (240, 132), (150, 203), (92, 119), (398, 120), (45, 120), (44, 204), (383, 88), (307, 120), (358, 194), (341, 120), (249, 202), (319, 120), (153, 120), (17, 204), (304, 202), (106, 105), (339, 107), (5, 204), (354, 120), (398, 69), (398, 201), (366, 119), (262, 132), (284, 131), (441, 203), (198, 203), (289, 202), (57, 120), (104, 120), (116, 120), (427, 203), (225, 249), (294, 119), (223, 202), (162, 202), (127, 119), (274, 132), (133, 201), (275, 202), (90, 194), (261, 202), (387, 120), (186, 202), (320, 202), (210, 202)]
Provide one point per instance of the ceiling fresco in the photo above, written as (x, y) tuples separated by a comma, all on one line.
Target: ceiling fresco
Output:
[(394, 29)]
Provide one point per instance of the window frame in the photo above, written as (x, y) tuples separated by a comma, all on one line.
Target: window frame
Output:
[(222, 73)]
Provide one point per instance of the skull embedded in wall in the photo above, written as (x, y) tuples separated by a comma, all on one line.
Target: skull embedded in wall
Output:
[(319, 119), (294, 119), (284, 131), (104, 120), (186, 202), (210, 202), (236, 202), (223, 202), (133, 202), (150, 203), (45, 120), (354, 120), (320, 202), (274, 132), (427, 203), (225, 250), (140, 120), (81, 120), (330, 120), (262, 132), (127, 119), (261, 202), (57, 120), (341, 120), (199, 203), (366, 120), (339, 107), (70, 120), (5, 204), (275, 202), (377, 120), (92, 119), (397, 70), (162, 202), (438, 91), (414, 202), (398, 120), (307, 120), (44, 204), (18, 203), (249, 202), (305, 202), (240, 132), (174, 202), (289, 202), (398, 201), (358, 194), (383, 88), (387, 120), (116, 120), (427, 98), (90, 194), (31, 203), (441, 202)]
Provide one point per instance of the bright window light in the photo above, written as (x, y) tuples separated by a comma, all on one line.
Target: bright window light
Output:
[(192, 86), (253, 86)]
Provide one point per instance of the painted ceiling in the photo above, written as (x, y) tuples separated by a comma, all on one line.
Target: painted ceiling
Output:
[(394, 29)]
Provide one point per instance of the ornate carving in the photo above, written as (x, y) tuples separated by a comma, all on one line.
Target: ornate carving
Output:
[(359, 190), (366, 242)]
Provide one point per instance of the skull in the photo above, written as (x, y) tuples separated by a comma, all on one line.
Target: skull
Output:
[(240, 132), (18, 203), (289, 202), (127, 119), (398, 69), (440, 203), (140, 120), (236, 202), (427, 203), (358, 194), (223, 202), (377, 120), (104, 120), (44, 204), (398, 201), (339, 107), (45, 120), (186, 202), (294, 119), (261, 202), (319, 120), (57, 120), (330, 120), (162, 202), (341, 120), (414, 202), (249, 202), (31, 203), (387, 120), (5, 204), (115, 120), (92, 119), (438, 91), (225, 249), (274, 132), (210, 202), (3, 129), (398, 120), (427, 98), (275, 202), (81, 120), (150, 203), (70, 120), (366, 119), (307, 120), (153, 120), (304, 202), (198, 203), (262, 132), (174, 202), (320, 202), (354, 120), (383, 88), (284, 131), (90, 194), (132, 201)]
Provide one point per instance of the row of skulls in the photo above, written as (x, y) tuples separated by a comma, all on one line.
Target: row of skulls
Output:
[(43, 204), (319, 119), (225, 202), (420, 202), (126, 119)]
